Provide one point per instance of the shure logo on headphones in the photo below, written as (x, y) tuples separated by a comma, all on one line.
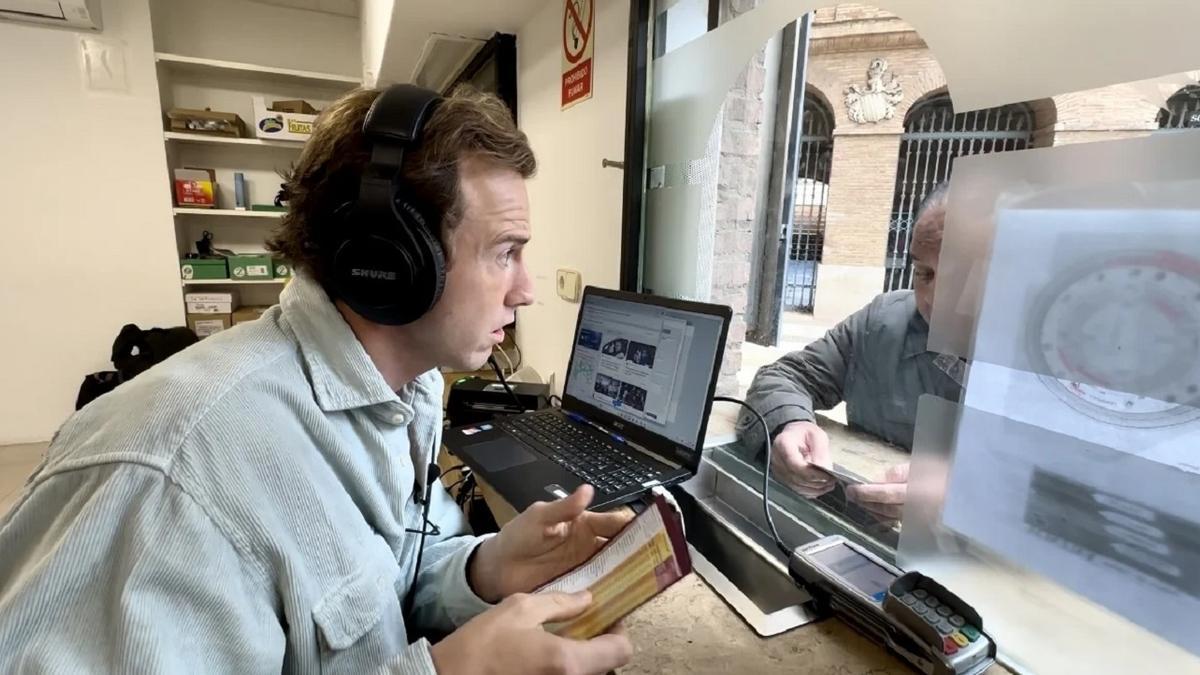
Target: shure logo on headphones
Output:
[(373, 274)]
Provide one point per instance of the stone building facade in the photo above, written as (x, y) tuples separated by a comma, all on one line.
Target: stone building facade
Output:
[(844, 41)]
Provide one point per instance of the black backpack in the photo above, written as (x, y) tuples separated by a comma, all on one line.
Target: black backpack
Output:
[(133, 352)]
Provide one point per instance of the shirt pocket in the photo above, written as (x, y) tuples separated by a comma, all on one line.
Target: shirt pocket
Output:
[(359, 620)]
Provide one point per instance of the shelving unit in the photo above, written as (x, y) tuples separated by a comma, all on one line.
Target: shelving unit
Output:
[(234, 282), (229, 213), (228, 86), (182, 137), (178, 63)]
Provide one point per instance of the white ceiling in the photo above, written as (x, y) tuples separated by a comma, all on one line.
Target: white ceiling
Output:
[(340, 7), (415, 21)]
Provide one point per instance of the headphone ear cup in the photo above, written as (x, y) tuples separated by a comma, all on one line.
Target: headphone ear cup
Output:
[(390, 275), (372, 275), (434, 266)]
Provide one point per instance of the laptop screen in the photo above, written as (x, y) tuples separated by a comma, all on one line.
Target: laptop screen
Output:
[(648, 364)]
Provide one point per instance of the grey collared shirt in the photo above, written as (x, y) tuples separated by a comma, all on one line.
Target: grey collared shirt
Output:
[(239, 508), (876, 361)]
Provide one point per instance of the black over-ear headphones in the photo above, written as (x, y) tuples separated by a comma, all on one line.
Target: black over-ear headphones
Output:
[(388, 264)]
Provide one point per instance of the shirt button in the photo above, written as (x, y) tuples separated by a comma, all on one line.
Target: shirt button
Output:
[(398, 418)]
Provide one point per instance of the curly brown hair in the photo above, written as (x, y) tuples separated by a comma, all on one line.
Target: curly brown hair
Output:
[(467, 124)]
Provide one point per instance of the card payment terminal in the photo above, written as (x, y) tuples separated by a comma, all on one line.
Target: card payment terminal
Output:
[(911, 614)]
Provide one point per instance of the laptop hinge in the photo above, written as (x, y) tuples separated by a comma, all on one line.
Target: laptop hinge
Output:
[(655, 455)]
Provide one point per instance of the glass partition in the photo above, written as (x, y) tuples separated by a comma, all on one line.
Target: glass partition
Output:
[(896, 214)]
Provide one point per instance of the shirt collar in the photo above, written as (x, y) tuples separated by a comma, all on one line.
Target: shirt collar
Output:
[(342, 375)]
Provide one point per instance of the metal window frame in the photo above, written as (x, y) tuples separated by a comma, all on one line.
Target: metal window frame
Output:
[(765, 312), (934, 135), (807, 239)]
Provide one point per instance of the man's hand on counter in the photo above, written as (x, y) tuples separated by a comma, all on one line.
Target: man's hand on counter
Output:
[(886, 498), (797, 447)]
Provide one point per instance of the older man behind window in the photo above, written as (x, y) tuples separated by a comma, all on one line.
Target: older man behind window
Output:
[(876, 361)]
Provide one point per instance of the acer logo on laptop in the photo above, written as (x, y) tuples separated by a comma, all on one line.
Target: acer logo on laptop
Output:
[(373, 274)]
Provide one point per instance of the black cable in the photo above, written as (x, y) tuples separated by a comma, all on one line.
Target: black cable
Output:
[(500, 374), (551, 400), (460, 481), (456, 467), (467, 492), (431, 476), (787, 552)]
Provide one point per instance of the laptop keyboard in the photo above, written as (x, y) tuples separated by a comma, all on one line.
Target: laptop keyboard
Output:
[(608, 467)]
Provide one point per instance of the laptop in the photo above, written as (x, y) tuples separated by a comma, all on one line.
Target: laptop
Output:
[(635, 406)]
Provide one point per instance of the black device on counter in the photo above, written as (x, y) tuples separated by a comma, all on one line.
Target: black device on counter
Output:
[(931, 628), (475, 400)]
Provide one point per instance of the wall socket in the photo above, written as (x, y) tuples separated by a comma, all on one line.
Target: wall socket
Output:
[(568, 284)]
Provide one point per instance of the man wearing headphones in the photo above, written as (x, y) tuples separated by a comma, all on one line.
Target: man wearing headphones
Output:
[(255, 503)]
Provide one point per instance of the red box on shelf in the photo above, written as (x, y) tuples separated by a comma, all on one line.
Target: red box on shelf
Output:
[(196, 188)]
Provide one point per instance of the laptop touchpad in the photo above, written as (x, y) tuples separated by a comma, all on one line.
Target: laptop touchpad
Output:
[(500, 454)]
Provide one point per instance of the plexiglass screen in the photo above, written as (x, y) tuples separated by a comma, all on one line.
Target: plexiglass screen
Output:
[(961, 245)]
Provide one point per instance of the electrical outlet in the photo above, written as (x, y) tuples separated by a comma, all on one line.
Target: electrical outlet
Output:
[(568, 284)]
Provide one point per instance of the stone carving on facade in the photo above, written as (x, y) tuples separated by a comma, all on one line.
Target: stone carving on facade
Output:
[(877, 101)]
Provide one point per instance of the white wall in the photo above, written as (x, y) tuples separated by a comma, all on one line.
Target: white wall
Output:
[(251, 32), (575, 204), (86, 241)]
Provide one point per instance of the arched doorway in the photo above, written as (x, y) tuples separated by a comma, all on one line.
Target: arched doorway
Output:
[(1183, 109), (933, 136), (811, 194)]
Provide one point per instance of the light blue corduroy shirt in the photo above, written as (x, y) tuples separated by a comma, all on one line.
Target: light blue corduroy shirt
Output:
[(239, 508)]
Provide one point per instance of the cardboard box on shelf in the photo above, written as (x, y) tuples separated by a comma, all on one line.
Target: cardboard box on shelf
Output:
[(283, 268), (206, 122), (248, 313), (203, 268), (296, 106), (204, 325), (195, 188), (223, 302), (280, 124), (250, 266)]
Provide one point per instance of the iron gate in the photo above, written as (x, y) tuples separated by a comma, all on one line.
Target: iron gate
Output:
[(808, 217), (933, 137), (1182, 111)]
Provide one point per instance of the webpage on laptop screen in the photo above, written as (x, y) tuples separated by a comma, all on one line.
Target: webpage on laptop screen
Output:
[(649, 365)]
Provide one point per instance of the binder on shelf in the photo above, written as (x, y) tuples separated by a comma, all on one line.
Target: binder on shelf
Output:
[(239, 192)]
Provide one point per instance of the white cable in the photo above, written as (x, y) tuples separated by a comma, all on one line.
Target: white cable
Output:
[(506, 359)]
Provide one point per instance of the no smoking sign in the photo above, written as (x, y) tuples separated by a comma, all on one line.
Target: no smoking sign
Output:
[(578, 24)]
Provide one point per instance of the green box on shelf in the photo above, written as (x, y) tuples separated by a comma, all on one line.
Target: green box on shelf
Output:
[(247, 266), (283, 268), (203, 268)]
